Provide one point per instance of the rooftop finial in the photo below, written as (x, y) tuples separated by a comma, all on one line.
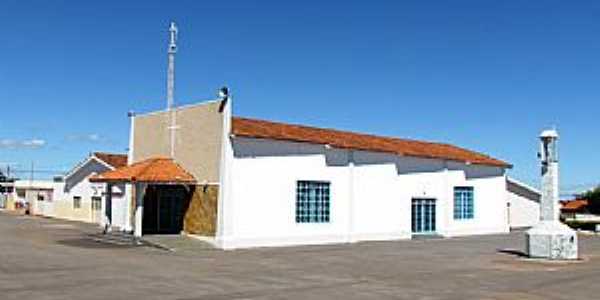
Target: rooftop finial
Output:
[(173, 41)]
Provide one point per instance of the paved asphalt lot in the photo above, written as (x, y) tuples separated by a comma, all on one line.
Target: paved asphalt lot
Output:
[(50, 259)]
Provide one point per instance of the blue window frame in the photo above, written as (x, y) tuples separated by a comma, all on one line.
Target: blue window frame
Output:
[(312, 202), (463, 203)]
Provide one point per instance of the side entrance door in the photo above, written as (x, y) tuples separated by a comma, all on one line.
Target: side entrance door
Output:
[(96, 209), (423, 216)]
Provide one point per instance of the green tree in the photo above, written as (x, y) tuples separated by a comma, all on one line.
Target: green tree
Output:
[(593, 198)]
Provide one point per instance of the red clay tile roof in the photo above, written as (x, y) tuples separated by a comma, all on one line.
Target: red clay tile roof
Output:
[(574, 205), (115, 160), (152, 170), (252, 128)]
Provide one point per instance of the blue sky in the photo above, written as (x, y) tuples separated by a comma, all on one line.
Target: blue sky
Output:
[(485, 75)]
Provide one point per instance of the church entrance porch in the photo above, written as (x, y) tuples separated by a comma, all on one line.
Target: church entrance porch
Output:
[(161, 189)]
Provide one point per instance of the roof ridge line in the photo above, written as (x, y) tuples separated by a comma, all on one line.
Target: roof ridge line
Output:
[(345, 131)]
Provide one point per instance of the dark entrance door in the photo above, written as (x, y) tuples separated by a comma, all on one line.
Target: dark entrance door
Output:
[(164, 209)]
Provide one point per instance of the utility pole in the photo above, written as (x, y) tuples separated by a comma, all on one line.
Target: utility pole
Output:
[(31, 174)]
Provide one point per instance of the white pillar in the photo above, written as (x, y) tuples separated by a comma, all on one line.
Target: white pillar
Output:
[(351, 192), (140, 189), (128, 197), (107, 208), (549, 205), (130, 152), (225, 210), (445, 204), (550, 239)]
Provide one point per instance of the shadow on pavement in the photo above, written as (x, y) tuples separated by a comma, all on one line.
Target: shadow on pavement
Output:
[(513, 252), (100, 240)]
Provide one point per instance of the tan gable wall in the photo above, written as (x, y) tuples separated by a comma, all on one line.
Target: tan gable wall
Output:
[(198, 138)]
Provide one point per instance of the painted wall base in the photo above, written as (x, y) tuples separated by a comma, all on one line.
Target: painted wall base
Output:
[(250, 242), (552, 240), (475, 231)]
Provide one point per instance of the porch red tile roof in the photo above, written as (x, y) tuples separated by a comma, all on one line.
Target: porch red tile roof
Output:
[(152, 170), (244, 127)]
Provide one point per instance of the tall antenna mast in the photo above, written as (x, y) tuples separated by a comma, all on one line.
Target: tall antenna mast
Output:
[(171, 85), (171, 68)]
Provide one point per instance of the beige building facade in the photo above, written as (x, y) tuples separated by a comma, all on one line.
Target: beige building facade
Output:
[(197, 144)]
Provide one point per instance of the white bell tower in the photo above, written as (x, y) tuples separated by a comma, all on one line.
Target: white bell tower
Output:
[(550, 239)]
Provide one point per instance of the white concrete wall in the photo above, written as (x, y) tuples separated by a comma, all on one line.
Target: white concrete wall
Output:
[(524, 210), (491, 209), (378, 196), (17, 196), (264, 195), (41, 200), (371, 194)]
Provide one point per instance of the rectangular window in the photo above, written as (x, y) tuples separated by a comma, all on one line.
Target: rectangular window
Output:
[(96, 203), (312, 202), (40, 197), (463, 203), (76, 202)]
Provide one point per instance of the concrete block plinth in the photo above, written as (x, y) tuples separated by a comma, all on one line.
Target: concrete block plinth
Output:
[(552, 240)]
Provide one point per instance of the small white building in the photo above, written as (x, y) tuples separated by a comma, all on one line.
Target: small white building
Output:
[(6, 190), (81, 200), (523, 204), (243, 182), (34, 195)]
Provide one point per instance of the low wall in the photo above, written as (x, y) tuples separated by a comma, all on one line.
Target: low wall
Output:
[(63, 209)]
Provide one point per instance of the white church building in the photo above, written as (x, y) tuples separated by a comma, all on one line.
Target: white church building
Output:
[(241, 182), (294, 184)]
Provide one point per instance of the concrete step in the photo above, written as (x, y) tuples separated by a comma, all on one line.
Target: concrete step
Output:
[(429, 236), (115, 238)]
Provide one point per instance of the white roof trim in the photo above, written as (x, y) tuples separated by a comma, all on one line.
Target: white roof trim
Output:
[(177, 108), (523, 185), (85, 162), (35, 184)]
